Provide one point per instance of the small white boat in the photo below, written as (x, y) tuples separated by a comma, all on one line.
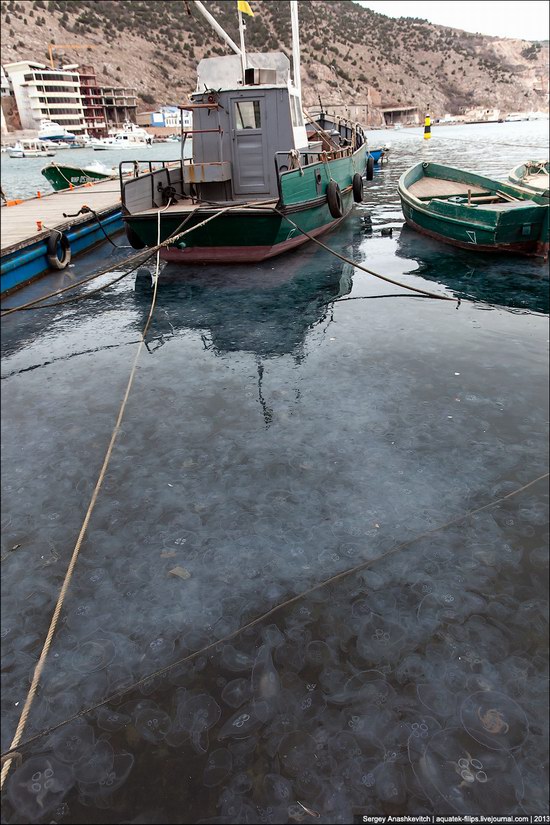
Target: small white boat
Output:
[(30, 149), (104, 144), (49, 130)]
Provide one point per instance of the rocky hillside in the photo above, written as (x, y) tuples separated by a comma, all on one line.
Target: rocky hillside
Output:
[(350, 54)]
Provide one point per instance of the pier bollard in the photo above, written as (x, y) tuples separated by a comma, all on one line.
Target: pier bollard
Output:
[(427, 128), (39, 226)]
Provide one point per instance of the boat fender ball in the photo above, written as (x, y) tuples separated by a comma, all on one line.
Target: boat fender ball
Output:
[(357, 186), (334, 199), (58, 242), (369, 169)]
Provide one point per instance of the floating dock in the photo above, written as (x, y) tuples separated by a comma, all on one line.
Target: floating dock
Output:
[(27, 229)]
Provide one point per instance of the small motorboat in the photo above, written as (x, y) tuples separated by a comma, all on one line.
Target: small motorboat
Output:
[(30, 149), (532, 175), (474, 212)]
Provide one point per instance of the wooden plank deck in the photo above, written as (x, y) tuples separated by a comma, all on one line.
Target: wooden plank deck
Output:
[(439, 188), (18, 223)]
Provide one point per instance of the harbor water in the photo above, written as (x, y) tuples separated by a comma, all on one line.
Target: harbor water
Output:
[(314, 584)]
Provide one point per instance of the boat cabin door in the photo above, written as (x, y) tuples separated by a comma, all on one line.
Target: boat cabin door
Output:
[(249, 137)]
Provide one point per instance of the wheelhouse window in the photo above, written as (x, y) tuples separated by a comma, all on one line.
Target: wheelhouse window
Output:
[(247, 114)]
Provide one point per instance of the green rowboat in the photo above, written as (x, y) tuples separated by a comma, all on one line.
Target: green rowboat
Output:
[(474, 212), (532, 175), (62, 176)]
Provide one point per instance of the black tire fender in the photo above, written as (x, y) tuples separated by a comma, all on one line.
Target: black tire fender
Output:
[(334, 200), (370, 168), (58, 239), (133, 238), (357, 187)]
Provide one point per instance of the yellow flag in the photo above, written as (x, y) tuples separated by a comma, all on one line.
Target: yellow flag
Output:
[(244, 7)]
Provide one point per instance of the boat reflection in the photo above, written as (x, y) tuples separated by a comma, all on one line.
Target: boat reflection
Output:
[(264, 310), (504, 280)]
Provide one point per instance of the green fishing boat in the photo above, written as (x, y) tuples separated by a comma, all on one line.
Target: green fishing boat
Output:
[(255, 179), (533, 175), (62, 176), (474, 212)]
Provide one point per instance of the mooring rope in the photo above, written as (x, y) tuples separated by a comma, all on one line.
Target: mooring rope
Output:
[(10, 754), (142, 257), (311, 237)]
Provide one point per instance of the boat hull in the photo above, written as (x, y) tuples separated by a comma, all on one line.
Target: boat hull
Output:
[(257, 231), (537, 249), (240, 236), (63, 177), (518, 226)]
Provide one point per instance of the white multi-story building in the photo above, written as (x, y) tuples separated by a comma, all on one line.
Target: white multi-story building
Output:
[(42, 93)]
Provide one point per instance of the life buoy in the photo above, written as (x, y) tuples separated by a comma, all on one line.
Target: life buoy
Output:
[(357, 187), (133, 239), (58, 241), (370, 168), (334, 200)]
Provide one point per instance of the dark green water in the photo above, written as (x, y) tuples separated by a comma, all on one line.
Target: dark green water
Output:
[(288, 423)]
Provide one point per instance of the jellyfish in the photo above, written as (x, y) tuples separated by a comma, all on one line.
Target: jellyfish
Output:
[(197, 715), (241, 724), (237, 692), (152, 724), (469, 778), (235, 660), (494, 720), (113, 780), (297, 750), (277, 789), (71, 742), (437, 698), (266, 684), (38, 786), (111, 720), (96, 763), (218, 767)]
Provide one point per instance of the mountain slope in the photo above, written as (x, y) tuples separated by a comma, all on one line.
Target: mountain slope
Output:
[(350, 54)]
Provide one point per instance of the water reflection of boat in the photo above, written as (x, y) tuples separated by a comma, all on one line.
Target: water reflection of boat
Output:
[(510, 282), (263, 310)]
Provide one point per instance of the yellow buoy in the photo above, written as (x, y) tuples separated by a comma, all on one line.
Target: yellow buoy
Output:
[(427, 128)]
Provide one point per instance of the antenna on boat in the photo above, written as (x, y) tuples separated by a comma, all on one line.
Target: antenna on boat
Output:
[(295, 47)]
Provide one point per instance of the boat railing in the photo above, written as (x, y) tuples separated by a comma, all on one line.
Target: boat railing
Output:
[(159, 177), (288, 161)]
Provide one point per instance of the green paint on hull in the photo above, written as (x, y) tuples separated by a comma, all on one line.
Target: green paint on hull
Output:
[(520, 226), (264, 233), (235, 229), (61, 177)]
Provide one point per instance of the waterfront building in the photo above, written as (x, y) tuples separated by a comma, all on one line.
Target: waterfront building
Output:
[(92, 102), (166, 117), (42, 93), (120, 104)]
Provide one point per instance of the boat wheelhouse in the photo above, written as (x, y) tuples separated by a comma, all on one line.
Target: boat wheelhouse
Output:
[(252, 168)]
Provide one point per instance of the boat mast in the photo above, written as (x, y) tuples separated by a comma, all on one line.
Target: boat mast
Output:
[(216, 26), (295, 46), (243, 50)]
